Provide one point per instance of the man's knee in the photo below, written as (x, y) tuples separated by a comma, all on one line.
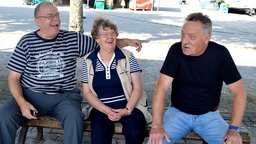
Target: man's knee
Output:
[(72, 118)]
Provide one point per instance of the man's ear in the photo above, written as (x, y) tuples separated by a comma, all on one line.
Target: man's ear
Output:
[(207, 38), (37, 21)]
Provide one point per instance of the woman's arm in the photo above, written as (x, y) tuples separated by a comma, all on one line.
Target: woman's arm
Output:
[(135, 96), (137, 90), (93, 99)]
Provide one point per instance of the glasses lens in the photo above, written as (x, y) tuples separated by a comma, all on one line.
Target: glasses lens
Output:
[(111, 34)]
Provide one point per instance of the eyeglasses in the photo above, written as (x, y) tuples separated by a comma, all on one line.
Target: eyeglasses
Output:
[(105, 35), (50, 16)]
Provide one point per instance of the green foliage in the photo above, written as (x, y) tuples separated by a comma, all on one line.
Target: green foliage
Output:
[(220, 1)]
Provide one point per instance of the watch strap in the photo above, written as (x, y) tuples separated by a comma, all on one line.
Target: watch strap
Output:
[(235, 128)]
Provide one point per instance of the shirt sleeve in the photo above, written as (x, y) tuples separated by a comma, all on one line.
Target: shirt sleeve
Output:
[(18, 60), (135, 66), (170, 64), (229, 71), (86, 44), (84, 78)]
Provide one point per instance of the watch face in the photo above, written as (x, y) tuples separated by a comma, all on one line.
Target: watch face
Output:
[(238, 130)]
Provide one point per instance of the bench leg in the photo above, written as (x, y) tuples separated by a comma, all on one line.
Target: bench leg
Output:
[(40, 133), (23, 134)]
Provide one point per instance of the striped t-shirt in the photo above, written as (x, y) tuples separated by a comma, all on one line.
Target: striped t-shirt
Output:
[(49, 66)]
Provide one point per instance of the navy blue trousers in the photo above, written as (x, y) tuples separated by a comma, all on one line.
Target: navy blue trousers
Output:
[(65, 107), (134, 127)]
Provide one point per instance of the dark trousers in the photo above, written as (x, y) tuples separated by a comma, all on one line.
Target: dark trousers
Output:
[(65, 107), (134, 127)]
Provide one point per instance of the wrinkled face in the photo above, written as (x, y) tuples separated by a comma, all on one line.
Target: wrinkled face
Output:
[(194, 40), (48, 20), (106, 38)]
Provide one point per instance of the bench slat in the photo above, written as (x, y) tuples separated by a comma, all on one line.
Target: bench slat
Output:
[(52, 123)]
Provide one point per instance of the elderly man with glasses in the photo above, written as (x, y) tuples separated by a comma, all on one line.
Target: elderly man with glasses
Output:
[(42, 77)]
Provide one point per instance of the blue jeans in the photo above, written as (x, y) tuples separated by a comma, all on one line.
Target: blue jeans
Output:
[(210, 126), (66, 107)]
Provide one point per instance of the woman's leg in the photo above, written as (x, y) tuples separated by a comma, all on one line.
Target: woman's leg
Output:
[(102, 128), (134, 127)]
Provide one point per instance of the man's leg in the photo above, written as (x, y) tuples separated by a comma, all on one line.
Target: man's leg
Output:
[(10, 120), (68, 112), (177, 124), (211, 127)]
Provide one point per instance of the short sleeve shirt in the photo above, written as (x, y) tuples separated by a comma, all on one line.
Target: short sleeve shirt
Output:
[(198, 81), (49, 66)]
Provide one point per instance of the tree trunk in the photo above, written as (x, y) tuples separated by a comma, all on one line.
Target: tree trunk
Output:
[(76, 16)]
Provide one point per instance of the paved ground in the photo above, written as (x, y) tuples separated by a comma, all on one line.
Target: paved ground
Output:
[(159, 29)]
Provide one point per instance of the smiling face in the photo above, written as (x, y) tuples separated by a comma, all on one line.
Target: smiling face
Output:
[(106, 38), (194, 39), (48, 20)]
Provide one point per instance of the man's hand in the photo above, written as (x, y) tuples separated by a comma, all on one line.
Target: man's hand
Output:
[(232, 137), (135, 43), (26, 109), (129, 42), (157, 134)]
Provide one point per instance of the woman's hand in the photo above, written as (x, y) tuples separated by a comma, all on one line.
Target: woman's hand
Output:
[(112, 115), (117, 114), (122, 112)]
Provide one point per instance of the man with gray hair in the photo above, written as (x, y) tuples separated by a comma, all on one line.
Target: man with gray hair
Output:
[(196, 68)]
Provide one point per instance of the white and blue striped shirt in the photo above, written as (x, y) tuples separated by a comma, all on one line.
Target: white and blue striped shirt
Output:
[(49, 66)]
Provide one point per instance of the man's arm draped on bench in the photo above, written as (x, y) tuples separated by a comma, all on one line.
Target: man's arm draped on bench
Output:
[(196, 69)]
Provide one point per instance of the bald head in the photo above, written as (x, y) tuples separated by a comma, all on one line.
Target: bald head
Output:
[(43, 4)]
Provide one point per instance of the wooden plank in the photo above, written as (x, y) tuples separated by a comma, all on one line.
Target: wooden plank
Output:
[(52, 123)]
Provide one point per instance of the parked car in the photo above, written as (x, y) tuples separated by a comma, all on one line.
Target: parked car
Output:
[(246, 6), (27, 2), (182, 1)]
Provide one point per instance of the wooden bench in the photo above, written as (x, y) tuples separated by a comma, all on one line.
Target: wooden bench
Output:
[(52, 123)]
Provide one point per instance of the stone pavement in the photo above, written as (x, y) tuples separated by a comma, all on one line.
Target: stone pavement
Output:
[(158, 29)]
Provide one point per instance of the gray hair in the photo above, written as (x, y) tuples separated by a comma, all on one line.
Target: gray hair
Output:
[(204, 19), (38, 7), (104, 23)]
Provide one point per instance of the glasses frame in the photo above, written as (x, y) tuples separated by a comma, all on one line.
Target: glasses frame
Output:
[(50, 16), (107, 34)]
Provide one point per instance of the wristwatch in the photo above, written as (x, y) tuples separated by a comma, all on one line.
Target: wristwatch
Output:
[(235, 128), (128, 110)]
